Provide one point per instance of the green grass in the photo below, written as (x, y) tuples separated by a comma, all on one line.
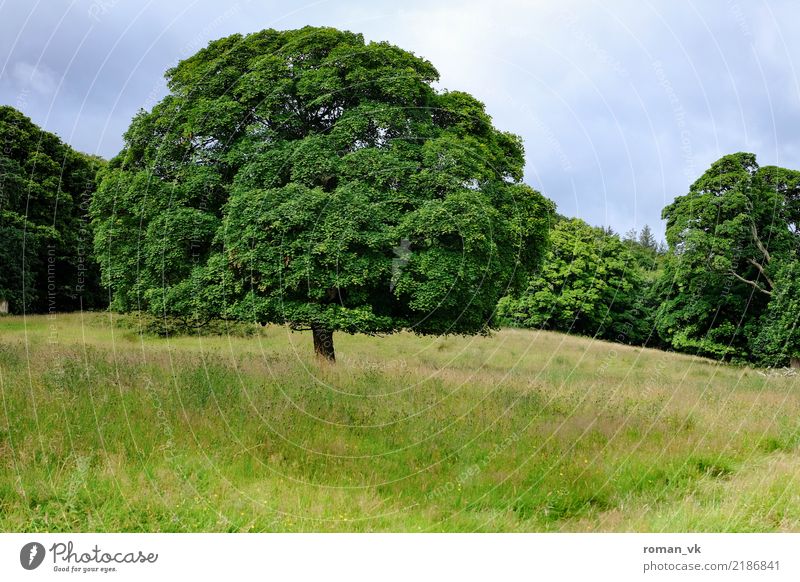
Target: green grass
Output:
[(104, 430)]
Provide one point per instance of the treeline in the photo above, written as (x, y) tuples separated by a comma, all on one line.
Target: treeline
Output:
[(312, 179), (727, 286), (592, 282), (47, 259)]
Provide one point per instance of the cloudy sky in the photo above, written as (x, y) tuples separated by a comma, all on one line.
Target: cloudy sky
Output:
[(621, 104)]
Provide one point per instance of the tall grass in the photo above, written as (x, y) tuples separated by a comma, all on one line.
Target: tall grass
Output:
[(102, 429)]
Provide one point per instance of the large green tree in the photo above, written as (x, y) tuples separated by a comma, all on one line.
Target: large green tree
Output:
[(590, 283), (46, 259), (309, 178), (729, 236)]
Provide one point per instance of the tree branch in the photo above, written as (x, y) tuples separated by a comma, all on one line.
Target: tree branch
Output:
[(758, 242), (761, 270), (753, 283)]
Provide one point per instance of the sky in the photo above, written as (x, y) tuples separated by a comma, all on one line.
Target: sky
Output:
[(621, 104)]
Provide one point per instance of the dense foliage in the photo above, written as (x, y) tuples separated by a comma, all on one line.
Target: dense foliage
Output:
[(727, 287), (307, 177), (732, 244), (46, 260), (590, 283), (777, 342)]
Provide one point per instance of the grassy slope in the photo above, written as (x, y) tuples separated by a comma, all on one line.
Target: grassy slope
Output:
[(523, 431)]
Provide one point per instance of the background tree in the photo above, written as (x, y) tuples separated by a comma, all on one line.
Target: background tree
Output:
[(729, 237), (46, 260), (647, 239), (645, 250), (278, 179), (589, 284)]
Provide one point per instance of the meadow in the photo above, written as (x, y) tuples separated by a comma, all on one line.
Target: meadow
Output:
[(103, 428)]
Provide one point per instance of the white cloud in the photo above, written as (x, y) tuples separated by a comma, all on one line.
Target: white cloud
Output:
[(37, 78)]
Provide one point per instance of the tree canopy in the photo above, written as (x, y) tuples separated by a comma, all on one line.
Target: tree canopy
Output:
[(730, 237), (307, 177), (45, 188), (590, 283)]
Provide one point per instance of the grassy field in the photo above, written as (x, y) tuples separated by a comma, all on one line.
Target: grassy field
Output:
[(103, 430)]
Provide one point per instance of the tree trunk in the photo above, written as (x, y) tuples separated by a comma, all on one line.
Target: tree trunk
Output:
[(794, 362), (323, 343)]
